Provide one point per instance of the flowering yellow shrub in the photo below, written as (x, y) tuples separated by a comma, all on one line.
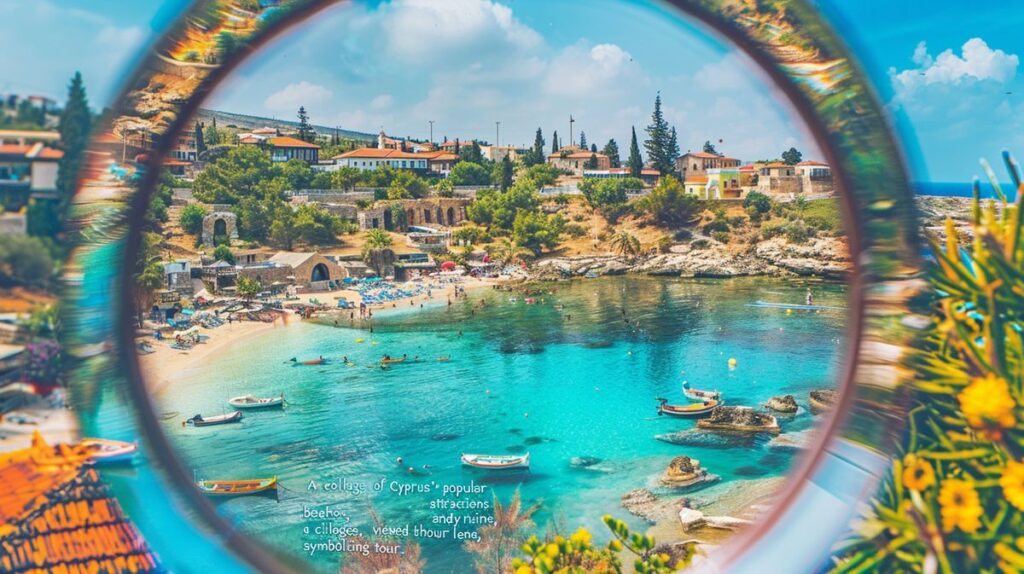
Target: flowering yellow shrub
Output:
[(954, 502)]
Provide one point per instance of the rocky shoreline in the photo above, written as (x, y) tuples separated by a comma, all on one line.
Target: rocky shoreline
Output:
[(824, 257)]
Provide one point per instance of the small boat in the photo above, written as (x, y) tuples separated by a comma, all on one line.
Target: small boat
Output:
[(253, 402), (513, 299), (201, 421), (444, 359), (691, 411), (320, 361), (237, 487), (699, 395), (496, 462), (390, 361), (106, 451)]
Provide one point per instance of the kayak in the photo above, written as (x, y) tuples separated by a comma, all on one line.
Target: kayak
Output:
[(392, 361)]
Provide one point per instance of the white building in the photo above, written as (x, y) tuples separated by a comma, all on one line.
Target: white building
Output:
[(372, 158)]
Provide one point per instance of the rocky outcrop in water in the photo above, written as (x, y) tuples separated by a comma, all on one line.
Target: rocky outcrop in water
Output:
[(739, 419), (644, 504), (792, 440), (783, 404), (822, 400), (684, 472)]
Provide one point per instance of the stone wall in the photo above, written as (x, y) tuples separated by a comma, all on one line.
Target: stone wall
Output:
[(265, 275), (210, 224)]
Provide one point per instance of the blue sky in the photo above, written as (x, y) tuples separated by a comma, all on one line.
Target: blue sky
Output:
[(943, 69)]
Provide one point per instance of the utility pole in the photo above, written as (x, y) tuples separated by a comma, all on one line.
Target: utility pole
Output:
[(431, 130), (497, 134), (571, 122)]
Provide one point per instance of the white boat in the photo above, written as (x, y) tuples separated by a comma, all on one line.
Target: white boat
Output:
[(105, 451), (496, 462), (254, 402)]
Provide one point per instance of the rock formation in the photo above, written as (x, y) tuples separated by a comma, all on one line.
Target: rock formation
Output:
[(739, 419), (783, 404), (684, 472), (822, 400)]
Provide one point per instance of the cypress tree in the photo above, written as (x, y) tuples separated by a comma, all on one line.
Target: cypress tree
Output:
[(611, 149), (636, 161), (75, 125), (659, 140), (536, 155), (673, 148), (305, 130), (554, 142), (507, 171), (212, 135), (709, 147), (592, 162), (583, 140), (200, 143), (593, 148)]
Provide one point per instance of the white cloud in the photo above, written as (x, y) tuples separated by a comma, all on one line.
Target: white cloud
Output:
[(584, 70), (382, 101), (977, 62), (428, 31), (289, 98)]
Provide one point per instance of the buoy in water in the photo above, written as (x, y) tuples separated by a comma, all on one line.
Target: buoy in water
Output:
[(360, 340), (732, 363), (374, 342), (789, 311)]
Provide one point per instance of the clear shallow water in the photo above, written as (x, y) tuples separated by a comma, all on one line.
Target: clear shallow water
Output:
[(521, 378)]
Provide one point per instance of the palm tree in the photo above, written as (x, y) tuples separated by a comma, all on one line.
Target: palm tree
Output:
[(507, 252), (377, 242), (378, 239), (626, 244), (500, 541)]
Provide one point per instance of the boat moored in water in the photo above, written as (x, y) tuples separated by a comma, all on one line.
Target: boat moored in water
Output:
[(106, 451), (254, 402), (691, 411), (699, 395), (320, 361), (237, 487), (201, 421), (496, 462)]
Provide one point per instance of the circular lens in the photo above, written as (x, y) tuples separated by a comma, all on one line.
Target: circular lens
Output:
[(417, 351)]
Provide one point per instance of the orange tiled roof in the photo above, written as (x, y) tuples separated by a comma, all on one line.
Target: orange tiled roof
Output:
[(57, 516), (576, 155), (285, 141), (700, 179), (377, 153), (34, 151), (437, 155), (812, 162)]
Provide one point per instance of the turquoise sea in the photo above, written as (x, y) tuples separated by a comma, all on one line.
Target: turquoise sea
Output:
[(521, 378)]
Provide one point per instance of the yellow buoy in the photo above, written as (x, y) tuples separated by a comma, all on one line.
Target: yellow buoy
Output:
[(374, 342), (732, 362), (789, 311), (360, 340)]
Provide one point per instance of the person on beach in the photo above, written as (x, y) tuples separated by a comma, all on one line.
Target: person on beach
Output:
[(810, 298)]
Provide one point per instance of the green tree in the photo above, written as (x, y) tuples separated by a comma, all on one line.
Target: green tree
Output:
[(149, 272), (554, 142), (541, 175), (537, 231), (200, 142), (223, 253), (759, 201), (345, 178), (659, 139), (593, 148), (24, 260), (445, 188), (626, 244), (611, 149), (503, 173), (378, 239), (592, 162), (472, 153), (255, 217), (673, 148), (306, 132), (283, 229), (636, 161), (709, 147), (74, 127), (316, 226), (495, 209), (191, 218), (212, 135), (227, 43), (407, 184), (469, 173), (536, 154), (246, 171), (583, 140), (792, 156), (247, 288), (669, 203), (297, 173)]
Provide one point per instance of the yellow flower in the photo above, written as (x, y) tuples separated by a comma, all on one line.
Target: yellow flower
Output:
[(918, 474), (582, 536), (961, 507), (987, 403), (1012, 482)]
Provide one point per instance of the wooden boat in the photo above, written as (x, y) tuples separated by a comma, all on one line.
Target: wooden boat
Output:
[(201, 421), (692, 411), (237, 487), (496, 462), (392, 361), (106, 451), (699, 395), (253, 402)]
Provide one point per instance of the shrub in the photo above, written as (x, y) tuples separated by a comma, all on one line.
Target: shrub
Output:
[(736, 220), (575, 230), (223, 253), (700, 244), (682, 235), (797, 232), (720, 236), (578, 217), (191, 218), (716, 226), (24, 260), (669, 203), (773, 228), (760, 202), (664, 244)]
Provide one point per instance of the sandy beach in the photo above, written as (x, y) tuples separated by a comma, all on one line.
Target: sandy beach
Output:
[(165, 365)]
